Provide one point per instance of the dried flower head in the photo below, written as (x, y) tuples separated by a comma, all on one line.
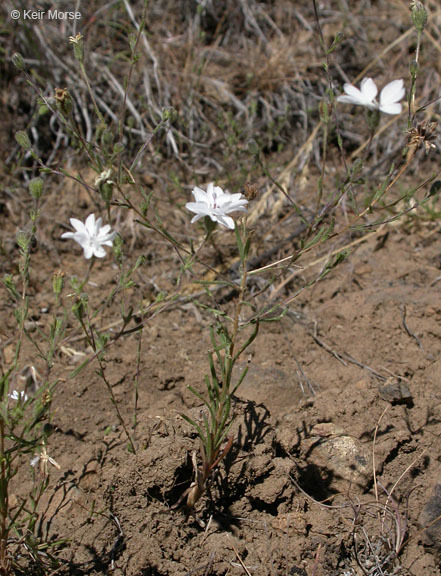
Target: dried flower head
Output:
[(77, 42), (423, 135), (251, 191), (43, 459), (63, 100)]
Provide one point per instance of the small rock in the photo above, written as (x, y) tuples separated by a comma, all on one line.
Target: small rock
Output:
[(396, 392), (30, 326), (331, 448)]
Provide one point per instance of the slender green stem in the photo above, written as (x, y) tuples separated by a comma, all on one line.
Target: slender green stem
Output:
[(4, 504), (89, 89), (103, 376)]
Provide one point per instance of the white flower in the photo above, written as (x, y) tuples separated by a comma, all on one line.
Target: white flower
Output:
[(91, 236), (16, 395), (390, 96), (216, 204)]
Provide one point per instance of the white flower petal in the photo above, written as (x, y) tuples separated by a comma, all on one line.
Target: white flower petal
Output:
[(239, 198), (369, 89), (364, 97), (348, 99), (199, 194), (392, 93), (211, 197), (88, 252), (226, 221), (99, 252), (218, 192), (90, 224), (392, 108), (35, 460), (353, 92), (197, 217), (198, 207), (70, 235), (77, 224)]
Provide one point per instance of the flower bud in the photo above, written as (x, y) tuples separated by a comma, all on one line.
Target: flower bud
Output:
[(17, 60), (168, 114), (117, 249), (79, 308), (23, 139), (253, 147), (77, 42), (36, 188), (105, 185), (23, 241), (57, 282), (419, 15)]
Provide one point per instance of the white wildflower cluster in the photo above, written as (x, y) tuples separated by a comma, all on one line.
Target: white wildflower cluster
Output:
[(92, 236)]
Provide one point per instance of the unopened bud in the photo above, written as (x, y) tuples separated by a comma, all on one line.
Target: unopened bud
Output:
[(419, 15), (36, 188), (77, 42), (23, 139), (105, 184), (79, 307), (253, 147), (17, 60), (57, 282), (117, 249), (23, 240), (168, 114)]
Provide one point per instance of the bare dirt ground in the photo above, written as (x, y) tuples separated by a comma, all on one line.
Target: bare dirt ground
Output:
[(359, 352), (335, 465)]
